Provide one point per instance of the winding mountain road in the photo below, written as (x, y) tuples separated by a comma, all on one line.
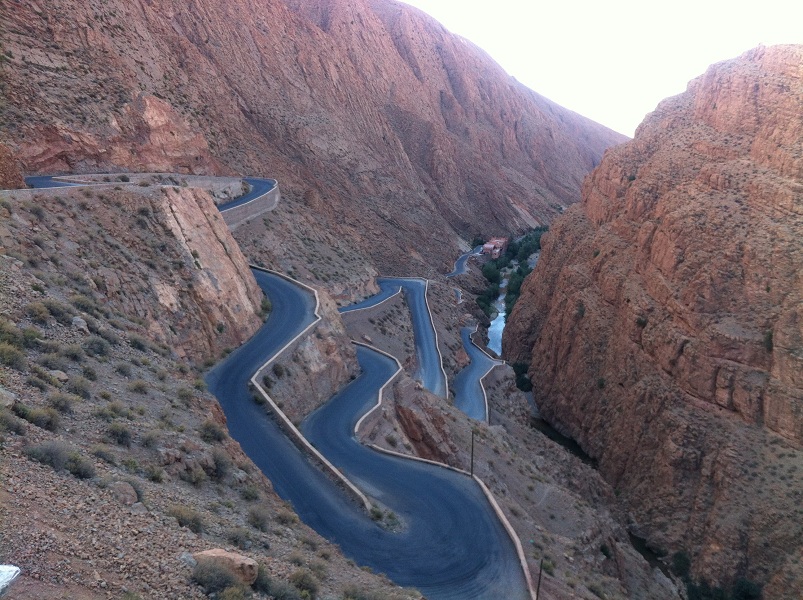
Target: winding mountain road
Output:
[(461, 264), (430, 366), (259, 187), (452, 546), (469, 393)]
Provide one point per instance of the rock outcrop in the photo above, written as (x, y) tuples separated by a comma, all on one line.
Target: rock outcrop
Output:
[(371, 107), (10, 176), (663, 324), (163, 254)]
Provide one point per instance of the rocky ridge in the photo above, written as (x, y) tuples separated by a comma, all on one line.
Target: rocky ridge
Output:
[(359, 108), (662, 324)]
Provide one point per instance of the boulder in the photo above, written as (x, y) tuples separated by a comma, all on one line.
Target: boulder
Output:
[(124, 492), (80, 324), (243, 567)]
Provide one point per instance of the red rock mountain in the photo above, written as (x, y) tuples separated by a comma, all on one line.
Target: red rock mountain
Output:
[(663, 325), (405, 134)]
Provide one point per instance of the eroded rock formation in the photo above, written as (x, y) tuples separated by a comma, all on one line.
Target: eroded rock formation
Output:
[(663, 324)]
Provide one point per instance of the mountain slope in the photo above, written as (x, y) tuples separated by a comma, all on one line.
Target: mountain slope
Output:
[(372, 105), (662, 324)]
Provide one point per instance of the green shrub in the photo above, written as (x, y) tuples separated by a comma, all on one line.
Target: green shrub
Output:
[(61, 457), (61, 312), (240, 537), (62, 402), (37, 312), (259, 517), (53, 361), (10, 423), (212, 432), (187, 517), (10, 334), (744, 589), (96, 346), (768, 344), (213, 577), (12, 357), (46, 418), (154, 473), (138, 386), (250, 493), (80, 386), (138, 342), (119, 434), (305, 581), (74, 352), (104, 453), (53, 454), (263, 583), (222, 466)]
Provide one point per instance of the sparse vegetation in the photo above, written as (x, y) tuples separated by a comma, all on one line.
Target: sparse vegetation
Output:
[(61, 457), (187, 517)]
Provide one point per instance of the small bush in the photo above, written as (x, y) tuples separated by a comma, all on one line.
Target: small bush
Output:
[(641, 322), (37, 312), (240, 537), (62, 402), (61, 312), (96, 346), (74, 352), (90, 373), (250, 493), (104, 453), (259, 517), (12, 357), (768, 344), (286, 517), (305, 581), (138, 386), (46, 418), (119, 434), (10, 423), (53, 454), (222, 466), (80, 386), (61, 457), (123, 369), (155, 474), (212, 432), (187, 517), (138, 342), (53, 361), (213, 577)]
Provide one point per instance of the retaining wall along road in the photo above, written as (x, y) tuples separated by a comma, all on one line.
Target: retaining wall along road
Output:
[(236, 216)]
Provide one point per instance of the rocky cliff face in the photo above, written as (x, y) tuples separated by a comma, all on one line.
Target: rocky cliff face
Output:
[(161, 254), (10, 176), (663, 323), (367, 106)]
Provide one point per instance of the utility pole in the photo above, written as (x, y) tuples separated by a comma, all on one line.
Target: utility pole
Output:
[(540, 570)]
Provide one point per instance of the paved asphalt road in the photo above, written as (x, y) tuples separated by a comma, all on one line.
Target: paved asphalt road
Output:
[(258, 187), (460, 263), (429, 370), (467, 387), (453, 546), (47, 181)]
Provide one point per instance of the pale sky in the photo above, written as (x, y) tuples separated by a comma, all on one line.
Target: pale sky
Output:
[(615, 60)]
